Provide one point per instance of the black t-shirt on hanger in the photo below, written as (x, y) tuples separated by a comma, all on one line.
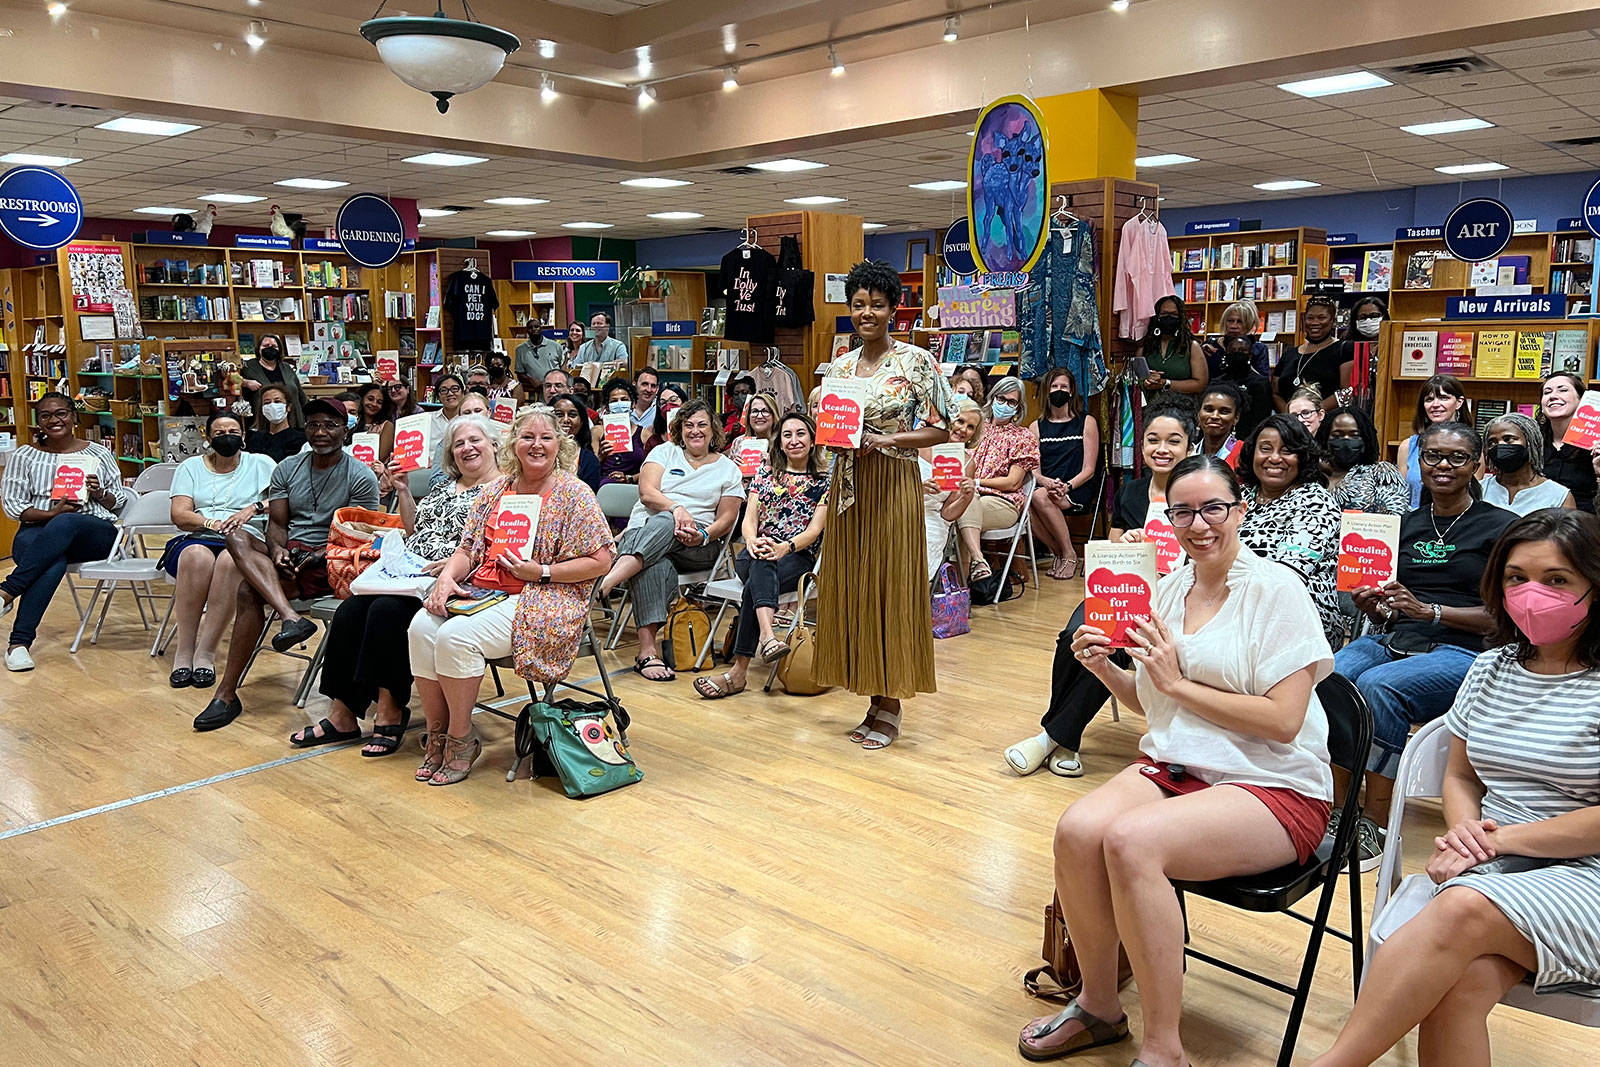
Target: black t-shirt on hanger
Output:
[(748, 276), (470, 298)]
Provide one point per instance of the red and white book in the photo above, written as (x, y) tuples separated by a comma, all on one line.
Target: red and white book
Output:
[(386, 366), (619, 432), (1369, 546), (516, 520), (71, 481), (752, 454), (949, 464), (413, 441), (504, 413), (1584, 429), (1119, 582), (1159, 532), (364, 448), (841, 412)]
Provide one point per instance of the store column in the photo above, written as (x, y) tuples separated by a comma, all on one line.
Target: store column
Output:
[(1093, 134)]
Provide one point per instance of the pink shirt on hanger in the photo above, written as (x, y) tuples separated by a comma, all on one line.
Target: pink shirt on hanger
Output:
[(1144, 275)]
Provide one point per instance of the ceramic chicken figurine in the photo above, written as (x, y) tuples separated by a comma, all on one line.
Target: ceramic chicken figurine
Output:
[(207, 218), (279, 226)]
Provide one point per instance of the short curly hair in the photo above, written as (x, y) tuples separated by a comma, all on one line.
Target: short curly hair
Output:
[(873, 276), (1292, 438), (719, 439)]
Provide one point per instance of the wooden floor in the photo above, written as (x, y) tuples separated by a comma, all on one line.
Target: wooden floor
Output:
[(770, 895)]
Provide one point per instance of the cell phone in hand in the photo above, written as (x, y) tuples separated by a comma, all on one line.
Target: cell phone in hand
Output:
[(1140, 367)]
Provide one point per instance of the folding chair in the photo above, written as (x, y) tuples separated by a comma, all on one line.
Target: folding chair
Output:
[(321, 609), (1015, 532), (730, 591), (685, 579), (154, 477), (1421, 775), (150, 513), (1349, 739)]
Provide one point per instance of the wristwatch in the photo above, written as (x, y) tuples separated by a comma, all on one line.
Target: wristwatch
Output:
[(1438, 613), (544, 574), (260, 506)]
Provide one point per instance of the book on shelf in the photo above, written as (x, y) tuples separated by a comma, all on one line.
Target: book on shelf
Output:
[(1377, 270), (251, 310), (1483, 272), (1497, 350), (1455, 354), (1530, 359), (1419, 270), (1568, 352), (1418, 352), (1486, 411)]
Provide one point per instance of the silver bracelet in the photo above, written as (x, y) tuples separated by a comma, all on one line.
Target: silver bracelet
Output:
[(1438, 613)]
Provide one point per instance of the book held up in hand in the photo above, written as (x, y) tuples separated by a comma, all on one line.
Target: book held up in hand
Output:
[(1368, 548), (1159, 532), (364, 448), (70, 482), (515, 522), (841, 412), (413, 440), (949, 461), (1119, 581), (1584, 429)]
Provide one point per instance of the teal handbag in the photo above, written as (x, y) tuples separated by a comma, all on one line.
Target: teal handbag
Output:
[(581, 744)]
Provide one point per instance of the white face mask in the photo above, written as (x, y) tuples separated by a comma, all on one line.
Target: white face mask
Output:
[(1368, 327), (275, 412)]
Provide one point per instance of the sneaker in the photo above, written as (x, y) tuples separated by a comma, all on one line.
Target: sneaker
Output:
[(19, 660), (1368, 851), (1333, 824)]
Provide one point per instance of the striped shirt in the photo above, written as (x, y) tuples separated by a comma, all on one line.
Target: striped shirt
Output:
[(30, 472)]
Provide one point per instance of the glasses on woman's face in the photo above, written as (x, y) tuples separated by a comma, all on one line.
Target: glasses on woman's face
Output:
[(1215, 513), (1432, 457), (396, 388), (55, 415), (449, 390)]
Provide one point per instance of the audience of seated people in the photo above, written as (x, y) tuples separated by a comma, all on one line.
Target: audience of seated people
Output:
[(1069, 467)]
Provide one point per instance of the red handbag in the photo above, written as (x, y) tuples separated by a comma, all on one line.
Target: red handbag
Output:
[(352, 544)]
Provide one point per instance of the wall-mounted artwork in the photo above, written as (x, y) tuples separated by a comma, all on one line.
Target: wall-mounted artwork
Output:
[(1007, 190)]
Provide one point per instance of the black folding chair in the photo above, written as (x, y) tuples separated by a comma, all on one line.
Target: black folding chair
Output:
[(1349, 739)]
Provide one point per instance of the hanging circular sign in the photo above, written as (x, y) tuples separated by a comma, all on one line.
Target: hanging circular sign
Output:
[(369, 228), (1591, 209), (1478, 229), (957, 250), (1008, 193), (39, 208)]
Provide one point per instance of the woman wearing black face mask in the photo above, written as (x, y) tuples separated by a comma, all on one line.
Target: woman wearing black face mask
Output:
[(1514, 457), (1357, 478), (1069, 470), (272, 367), (1175, 359)]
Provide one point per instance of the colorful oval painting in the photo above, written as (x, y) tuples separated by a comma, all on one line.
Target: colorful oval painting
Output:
[(1008, 194)]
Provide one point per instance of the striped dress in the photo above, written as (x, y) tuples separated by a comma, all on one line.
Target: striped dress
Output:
[(1534, 741)]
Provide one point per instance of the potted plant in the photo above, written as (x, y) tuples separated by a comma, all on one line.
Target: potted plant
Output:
[(640, 283)]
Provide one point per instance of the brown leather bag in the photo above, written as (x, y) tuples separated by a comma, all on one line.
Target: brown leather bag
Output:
[(1060, 979)]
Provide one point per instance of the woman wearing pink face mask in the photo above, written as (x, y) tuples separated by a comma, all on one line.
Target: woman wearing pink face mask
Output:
[(1519, 866)]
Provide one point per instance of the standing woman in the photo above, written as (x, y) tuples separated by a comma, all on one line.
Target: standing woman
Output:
[(1240, 319), (1321, 360), (53, 533), (1357, 478), (1069, 467), (1175, 359), (874, 623), (1442, 400), (376, 416), (1513, 454), (1000, 464), (574, 419), (273, 435), (269, 368), (1567, 464)]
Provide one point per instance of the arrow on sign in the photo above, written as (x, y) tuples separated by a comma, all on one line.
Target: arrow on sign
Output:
[(44, 221)]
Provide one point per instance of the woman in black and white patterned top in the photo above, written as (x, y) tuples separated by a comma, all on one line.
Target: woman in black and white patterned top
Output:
[(1519, 868), (365, 661)]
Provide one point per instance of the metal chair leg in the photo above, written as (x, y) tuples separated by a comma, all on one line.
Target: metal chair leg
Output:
[(83, 621), (700, 660), (1033, 552), (302, 692), (624, 613), (161, 631), (111, 591), (1357, 948)]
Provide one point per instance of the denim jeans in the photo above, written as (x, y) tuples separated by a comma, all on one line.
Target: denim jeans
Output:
[(763, 580), (1401, 691), (42, 554)]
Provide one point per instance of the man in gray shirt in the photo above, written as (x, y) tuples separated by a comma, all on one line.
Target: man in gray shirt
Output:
[(305, 490), (602, 347), (537, 356)]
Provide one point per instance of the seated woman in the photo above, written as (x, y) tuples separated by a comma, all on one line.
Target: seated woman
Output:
[(1564, 463), (212, 495), (53, 533), (273, 437), (574, 418), (1442, 399), (1001, 464), (760, 421), (402, 400), (1076, 696), (689, 495), (972, 375), (1069, 467), (541, 619), (782, 535), (1357, 478), (941, 507), (1225, 674), (360, 666), (376, 416), (1514, 458), (1431, 617), (1519, 865), (668, 401)]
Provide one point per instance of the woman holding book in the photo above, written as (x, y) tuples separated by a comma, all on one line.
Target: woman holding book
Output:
[(376, 416), (760, 422), (273, 435), (1514, 462), (1173, 355), (538, 599), (941, 507), (1568, 464), (1442, 399)]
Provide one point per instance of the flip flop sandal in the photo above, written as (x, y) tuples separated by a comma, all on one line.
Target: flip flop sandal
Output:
[(387, 736), (331, 735), (710, 689), (771, 655), (642, 665), (1096, 1033)]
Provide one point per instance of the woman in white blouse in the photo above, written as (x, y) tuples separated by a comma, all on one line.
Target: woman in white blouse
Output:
[(1234, 779)]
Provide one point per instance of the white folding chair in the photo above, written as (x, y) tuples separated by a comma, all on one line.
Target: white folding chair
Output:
[(1015, 533), (1421, 774), (156, 476), (147, 514), (730, 591)]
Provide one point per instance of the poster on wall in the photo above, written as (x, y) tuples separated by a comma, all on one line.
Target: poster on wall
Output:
[(1007, 190)]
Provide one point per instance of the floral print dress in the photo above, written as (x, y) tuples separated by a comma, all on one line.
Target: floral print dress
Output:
[(907, 392)]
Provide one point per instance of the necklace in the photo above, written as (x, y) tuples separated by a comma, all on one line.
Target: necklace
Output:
[(1212, 599), (223, 494), (311, 483), (1438, 538)]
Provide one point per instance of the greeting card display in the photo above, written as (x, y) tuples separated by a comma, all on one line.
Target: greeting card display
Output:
[(71, 482), (949, 462), (1121, 580), (413, 440), (751, 455), (1159, 532), (386, 366), (619, 433), (364, 448), (841, 412), (1368, 548), (1584, 429), (515, 522)]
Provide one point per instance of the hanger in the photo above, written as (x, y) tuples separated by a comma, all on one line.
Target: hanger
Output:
[(472, 267), (774, 355), (1063, 213), (1147, 213), (747, 240)]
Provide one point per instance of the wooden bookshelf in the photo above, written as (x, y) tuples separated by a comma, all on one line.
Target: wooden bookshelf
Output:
[(1209, 286), (1452, 277)]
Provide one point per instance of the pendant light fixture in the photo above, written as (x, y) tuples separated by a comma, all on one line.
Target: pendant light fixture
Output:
[(439, 54)]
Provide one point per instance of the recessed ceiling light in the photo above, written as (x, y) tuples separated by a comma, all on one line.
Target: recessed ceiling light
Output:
[(946, 186), (547, 49), (444, 159), (1429, 129), (676, 216), (149, 127), (1168, 159), (515, 201), (435, 212), (32, 159), (312, 183), (645, 66), (1471, 168), (510, 233), (586, 225), (56, 10), (807, 200), (654, 183), (730, 79), (1120, 6), (160, 211), (787, 166), (874, 225), (1354, 82), (231, 198), (255, 35), (1290, 183)]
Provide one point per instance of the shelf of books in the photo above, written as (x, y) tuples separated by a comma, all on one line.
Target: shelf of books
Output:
[(1271, 267), (1425, 276), (1572, 268), (520, 301), (1500, 363)]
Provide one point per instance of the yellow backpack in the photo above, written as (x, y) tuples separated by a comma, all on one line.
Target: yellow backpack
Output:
[(687, 631)]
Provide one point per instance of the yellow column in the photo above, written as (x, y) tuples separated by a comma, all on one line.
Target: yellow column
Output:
[(1093, 134)]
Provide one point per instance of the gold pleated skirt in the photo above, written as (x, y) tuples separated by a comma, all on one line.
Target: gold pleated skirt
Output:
[(874, 620)]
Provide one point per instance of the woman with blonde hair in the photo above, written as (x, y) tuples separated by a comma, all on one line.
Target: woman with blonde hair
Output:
[(1239, 319)]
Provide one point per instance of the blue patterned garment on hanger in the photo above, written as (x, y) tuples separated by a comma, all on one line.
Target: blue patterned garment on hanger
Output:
[(1058, 314)]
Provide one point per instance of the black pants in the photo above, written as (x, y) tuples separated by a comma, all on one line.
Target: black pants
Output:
[(763, 580), (367, 651), (1076, 696)]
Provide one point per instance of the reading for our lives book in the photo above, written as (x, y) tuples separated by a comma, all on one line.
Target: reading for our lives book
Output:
[(516, 520), (1121, 578), (949, 460), (413, 440), (70, 482), (841, 412), (1584, 429), (1368, 548), (364, 448), (1159, 532), (619, 433)]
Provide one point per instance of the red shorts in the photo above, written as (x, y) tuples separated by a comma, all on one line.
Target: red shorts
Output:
[(314, 576), (1305, 819)]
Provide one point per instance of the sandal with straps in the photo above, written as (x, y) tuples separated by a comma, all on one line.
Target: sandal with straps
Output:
[(859, 734), (979, 570), (385, 739), (647, 663), (433, 747), (1096, 1032), (877, 740), (773, 650), (456, 751), (710, 689)]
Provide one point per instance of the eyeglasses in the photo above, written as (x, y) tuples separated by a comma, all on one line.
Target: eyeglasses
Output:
[(55, 415), (1306, 416), (449, 390), (397, 387), (1434, 458), (1215, 513), (1376, 316)]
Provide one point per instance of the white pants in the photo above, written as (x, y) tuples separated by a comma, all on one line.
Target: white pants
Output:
[(459, 646)]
